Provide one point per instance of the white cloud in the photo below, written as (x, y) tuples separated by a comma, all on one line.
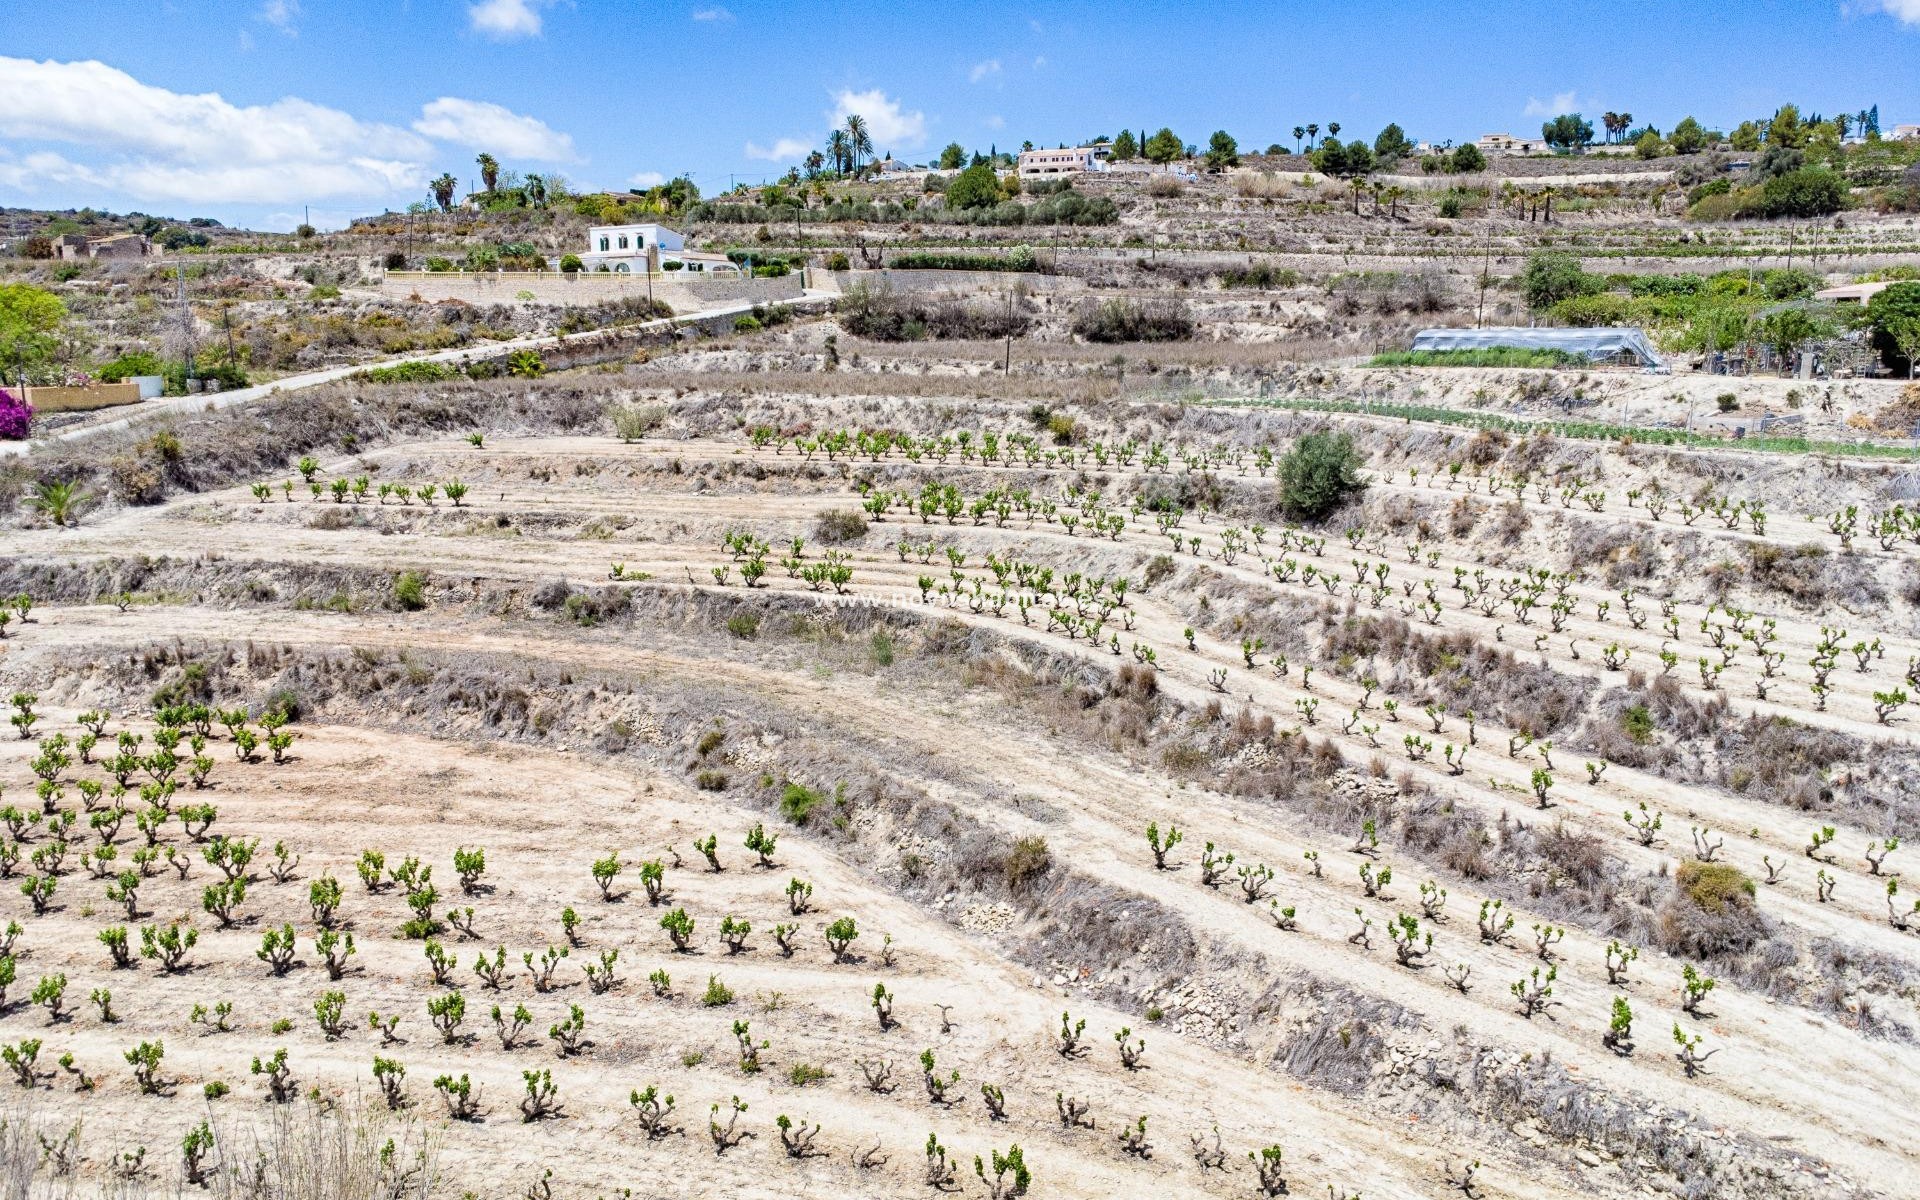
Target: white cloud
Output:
[(646, 179), (996, 121), (506, 20), (207, 185), (281, 14), (479, 125), (164, 145), (782, 149), (716, 13), (1907, 12), (982, 70), (1561, 102), (890, 127)]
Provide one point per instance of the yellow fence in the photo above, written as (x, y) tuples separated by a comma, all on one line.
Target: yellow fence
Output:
[(82, 399)]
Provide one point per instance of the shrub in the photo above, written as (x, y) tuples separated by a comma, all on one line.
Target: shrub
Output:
[(976, 187), (838, 261), (411, 372), (1552, 276), (1020, 258), (1027, 862), (16, 416), (797, 802), (570, 263), (410, 591), (633, 422), (1318, 474), (837, 525), (1122, 320), (745, 323), (1710, 912)]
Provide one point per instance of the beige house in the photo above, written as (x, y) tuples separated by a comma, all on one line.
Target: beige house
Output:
[(116, 246)]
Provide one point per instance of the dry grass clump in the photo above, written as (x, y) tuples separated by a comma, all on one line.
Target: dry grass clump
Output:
[(835, 526)]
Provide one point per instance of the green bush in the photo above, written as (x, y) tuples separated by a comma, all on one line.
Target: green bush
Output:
[(838, 261), (411, 372), (140, 362), (410, 591), (1894, 311), (976, 187), (1807, 192), (437, 263), (1599, 309), (1318, 474), (745, 324), (1552, 276), (570, 263), (1027, 862), (797, 802)]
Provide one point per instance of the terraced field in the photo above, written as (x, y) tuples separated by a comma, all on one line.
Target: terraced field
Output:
[(1471, 780)]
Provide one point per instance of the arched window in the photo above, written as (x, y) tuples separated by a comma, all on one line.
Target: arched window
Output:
[(623, 241), (603, 244)]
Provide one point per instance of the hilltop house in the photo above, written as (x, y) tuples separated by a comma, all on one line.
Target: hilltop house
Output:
[(648, 248), (1506, 143)]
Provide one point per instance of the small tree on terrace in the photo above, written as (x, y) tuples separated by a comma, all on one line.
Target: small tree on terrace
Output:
[(1222, 151), (1552, 276), (1320, 473), (1392, 145), (443, 189), (1163, 147), (1124, 147), (975, 187)]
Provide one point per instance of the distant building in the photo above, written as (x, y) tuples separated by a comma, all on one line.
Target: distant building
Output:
[(112, 246), (1506, 143), (637, 249), (1073, 160), (1905, 133)]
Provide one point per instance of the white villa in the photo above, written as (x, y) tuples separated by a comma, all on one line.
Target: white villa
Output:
[(1075, 160), (648, 248)]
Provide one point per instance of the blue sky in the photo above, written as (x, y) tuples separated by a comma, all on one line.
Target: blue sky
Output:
[(253, 110)]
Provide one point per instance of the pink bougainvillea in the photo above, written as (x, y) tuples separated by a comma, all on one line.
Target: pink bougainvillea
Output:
[(15, 415)]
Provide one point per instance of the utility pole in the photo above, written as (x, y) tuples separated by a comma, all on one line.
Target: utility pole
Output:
[(186, 320), (1006, 366)]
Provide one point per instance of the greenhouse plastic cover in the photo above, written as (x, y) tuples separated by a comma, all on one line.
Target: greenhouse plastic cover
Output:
[(1594, 343)]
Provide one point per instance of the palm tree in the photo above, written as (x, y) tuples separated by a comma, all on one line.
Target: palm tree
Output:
[(859, 141), (59, 502), (1333, 129), (840, 150), (1313, 133), (1379, 191), (489, 170), (1298, 133), (815, 161), (443, 189), (536, 189)]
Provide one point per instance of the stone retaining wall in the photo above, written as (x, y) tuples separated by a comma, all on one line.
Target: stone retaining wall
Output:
[(582, 287)]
